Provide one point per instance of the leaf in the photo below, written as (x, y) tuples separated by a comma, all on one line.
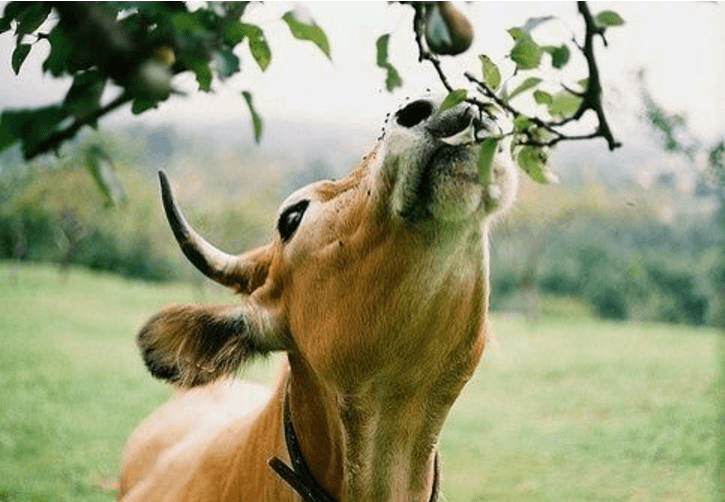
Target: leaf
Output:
[(256, 119), (454, 97), (8, 129), (527, 84), (485, 159), (30, 126), (307, 31), (532, 160), (522, 122), (200, 67), (226, 63), (542, 98), (259, 48), (61, 48), (609, 18), (559, 55), (564, 104), (491, 73), (392, 80), (84, 95), (381, 50), (32, 17), (141, 104), (526, 54), (516, 33), (533, 22), (19, 54), (99, 164)]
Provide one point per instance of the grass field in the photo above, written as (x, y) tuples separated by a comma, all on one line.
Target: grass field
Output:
[(566, 410)]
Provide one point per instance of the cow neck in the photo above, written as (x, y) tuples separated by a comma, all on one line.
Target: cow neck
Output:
[(299, 477)]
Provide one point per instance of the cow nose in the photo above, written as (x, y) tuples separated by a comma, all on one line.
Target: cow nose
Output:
[(414, 113), (451, 122)]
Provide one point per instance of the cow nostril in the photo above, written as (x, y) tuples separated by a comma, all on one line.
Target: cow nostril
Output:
[(414, 113), (452, 122)]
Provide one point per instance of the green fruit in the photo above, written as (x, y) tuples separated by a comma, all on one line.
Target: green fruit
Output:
[(447, 31)]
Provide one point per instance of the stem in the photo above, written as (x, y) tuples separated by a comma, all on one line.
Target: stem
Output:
[(591, 97), (54, 141)]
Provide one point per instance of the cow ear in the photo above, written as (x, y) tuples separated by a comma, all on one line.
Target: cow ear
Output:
[(191, 345)]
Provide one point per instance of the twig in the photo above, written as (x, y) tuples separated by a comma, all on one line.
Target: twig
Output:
[(423, 53), (591, 97), (591, 100), (53, 141)]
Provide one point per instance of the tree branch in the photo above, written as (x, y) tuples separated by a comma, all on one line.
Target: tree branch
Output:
[(56, 139), (591, 97)]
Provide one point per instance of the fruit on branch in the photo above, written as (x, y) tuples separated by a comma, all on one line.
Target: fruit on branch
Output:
[(447, 31)]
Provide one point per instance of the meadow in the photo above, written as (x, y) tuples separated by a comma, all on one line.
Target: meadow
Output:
[(568, 409)]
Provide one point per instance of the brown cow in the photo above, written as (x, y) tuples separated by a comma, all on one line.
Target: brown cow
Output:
[(376, 287)]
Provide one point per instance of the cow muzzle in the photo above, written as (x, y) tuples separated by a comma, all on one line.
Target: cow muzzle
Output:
[(430, 160)]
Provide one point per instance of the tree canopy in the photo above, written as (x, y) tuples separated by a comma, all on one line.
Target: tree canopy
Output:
[(139, 47)]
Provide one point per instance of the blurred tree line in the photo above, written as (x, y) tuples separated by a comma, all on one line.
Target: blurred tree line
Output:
[(617, 252), (590, 250), (52, 211)]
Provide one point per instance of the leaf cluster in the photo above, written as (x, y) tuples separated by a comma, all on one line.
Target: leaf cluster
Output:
[(137, 46), (533, 134)]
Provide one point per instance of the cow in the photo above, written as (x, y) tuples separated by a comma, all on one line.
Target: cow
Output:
[(375, 286)]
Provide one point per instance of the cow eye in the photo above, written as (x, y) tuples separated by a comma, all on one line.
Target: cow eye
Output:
[(290, 219)]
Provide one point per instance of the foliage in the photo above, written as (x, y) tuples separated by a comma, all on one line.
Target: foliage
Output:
[(625, 263), (534, 134), (51, 213), (138, 47)]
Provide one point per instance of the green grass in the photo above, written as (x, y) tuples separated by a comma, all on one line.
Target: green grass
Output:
[(566, 410)]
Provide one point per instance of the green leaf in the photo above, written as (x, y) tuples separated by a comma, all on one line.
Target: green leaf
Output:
[(186, 21), (533, 22), (99, 164), (491, 73), (516, 33), (200, 67), (381, 50), (61, 48), (526, 53), (19, 54), (4, 24), (307, 31), (532, 160), (485, 159), (542, 98), (392, 79), (32, 17), (256, 119), (141, 104), (259, 48), (559, 55), (30, 126), (454, 97), (522, 122), (8, 129), (609, 18), (226, 63), (84, 95), (564, 104), (527, 84)]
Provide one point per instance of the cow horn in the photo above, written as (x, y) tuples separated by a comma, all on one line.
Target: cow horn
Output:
[(213, 263)]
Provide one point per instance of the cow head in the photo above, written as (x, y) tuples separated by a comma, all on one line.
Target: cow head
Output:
[(380, 274)]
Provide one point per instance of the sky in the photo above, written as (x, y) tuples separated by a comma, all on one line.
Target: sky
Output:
[(680, 44)]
